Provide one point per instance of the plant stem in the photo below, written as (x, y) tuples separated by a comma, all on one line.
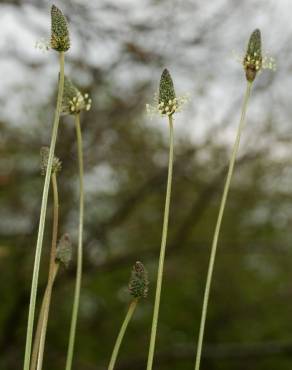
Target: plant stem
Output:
[(36, 343), (53, 269), (123, 329), (43, 331), (39, 341), (80, 241), (34, 284), (35, 349), (162, 250), (218, 226)]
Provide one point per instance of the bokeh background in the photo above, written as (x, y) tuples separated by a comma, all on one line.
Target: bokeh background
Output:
[(119, 49)]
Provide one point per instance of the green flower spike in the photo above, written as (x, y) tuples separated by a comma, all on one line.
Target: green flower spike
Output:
[(138, 284), (253, 61), (253, 58), (73, 101), (166, 103), (60, 39), (57, 164), (166, 97), (64, 250)]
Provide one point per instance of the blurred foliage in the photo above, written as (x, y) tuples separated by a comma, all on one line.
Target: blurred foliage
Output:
[(125, 154)]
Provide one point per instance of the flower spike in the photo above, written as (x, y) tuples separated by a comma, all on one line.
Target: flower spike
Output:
[(253, 61), (166, 103), (60, 39), (253, 57), (166, 98), (64, 250), (73, 101), (138, 284), (57, 164)]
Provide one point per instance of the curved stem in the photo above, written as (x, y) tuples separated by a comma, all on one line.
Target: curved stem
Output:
[(121, 334), (34, 284), (218, 226), (53, 269), (162, 250), (39, 341), (80, 241)]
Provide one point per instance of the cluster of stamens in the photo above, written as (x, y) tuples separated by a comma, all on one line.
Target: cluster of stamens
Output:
[(43, 45), (256, 62), (269, 63), (79, 102), (253, 61), (169, 107)]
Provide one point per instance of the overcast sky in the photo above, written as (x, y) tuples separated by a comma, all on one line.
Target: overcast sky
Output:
[(197, 41)]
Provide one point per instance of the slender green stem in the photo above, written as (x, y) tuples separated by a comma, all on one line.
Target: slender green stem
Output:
[(39, 341), (34, 284), (162, 250), (52, 273), (218, 226), (120, 337), (80, 241)]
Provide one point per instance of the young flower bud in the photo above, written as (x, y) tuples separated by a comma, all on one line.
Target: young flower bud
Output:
[(138, 284), (253, 58), (57, 164), (64, 250), (60, 39), (73, 101), (166, 96)]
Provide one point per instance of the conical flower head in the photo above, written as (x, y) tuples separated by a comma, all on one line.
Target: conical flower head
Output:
[(138, 284), (166, 97), (73, 101), (253, 58), (165, 102), (64, 250), (60, 39), (57, 164)]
